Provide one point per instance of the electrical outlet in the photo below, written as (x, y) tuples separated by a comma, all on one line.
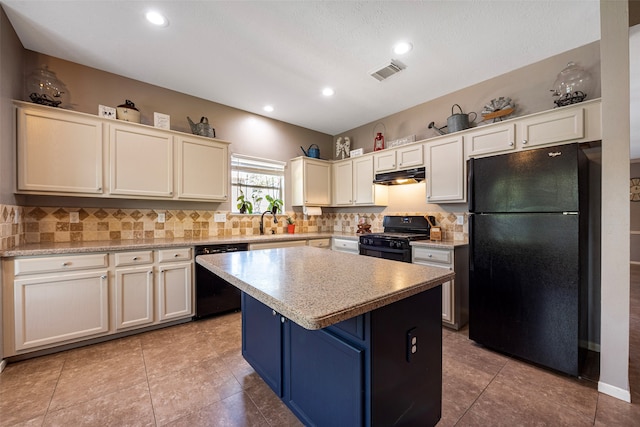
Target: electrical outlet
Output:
[(74, 217), (16, 217), (460, 219), (412, 343), (161, 217), (219, 217)]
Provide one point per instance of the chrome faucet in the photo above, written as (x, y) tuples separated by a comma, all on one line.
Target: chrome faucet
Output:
[(275, 221)]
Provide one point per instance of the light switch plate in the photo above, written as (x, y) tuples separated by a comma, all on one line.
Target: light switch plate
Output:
[(161, 217), (219, 217), (74, 217)]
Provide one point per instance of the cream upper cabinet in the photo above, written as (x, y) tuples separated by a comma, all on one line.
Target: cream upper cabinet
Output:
[(573, 123), (553, 127), (58, 153), (353, 183), (141, 161), (385, 161), (342, 183), (365, 192), (392, 159), (62, 152), (447, 171), (491, 139), (202, 168), (310, 182)]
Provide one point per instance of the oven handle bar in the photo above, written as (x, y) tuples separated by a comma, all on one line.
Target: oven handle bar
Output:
[(382, 249)]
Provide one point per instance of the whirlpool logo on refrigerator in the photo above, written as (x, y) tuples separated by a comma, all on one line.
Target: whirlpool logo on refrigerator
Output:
[(555, 154)]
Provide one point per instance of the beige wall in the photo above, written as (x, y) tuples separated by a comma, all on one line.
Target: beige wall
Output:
[(249, 133), (614, 354), (529, 87), (10, 88)]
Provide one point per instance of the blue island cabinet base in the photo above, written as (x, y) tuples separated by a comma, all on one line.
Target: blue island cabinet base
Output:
[(359, 372)]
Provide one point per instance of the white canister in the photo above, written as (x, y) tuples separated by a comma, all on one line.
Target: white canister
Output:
[(128, 112)]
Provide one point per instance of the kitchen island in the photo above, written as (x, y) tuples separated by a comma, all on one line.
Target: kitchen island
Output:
[(341, 339)]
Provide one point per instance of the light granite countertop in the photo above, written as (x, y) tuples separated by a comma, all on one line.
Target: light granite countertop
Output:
[(53, 248), (316, 288)]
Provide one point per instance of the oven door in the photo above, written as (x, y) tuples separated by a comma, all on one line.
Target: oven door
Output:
[(403, 255)]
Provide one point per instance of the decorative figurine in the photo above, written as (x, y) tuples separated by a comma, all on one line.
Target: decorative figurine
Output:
[(343, 146), (378, 142)]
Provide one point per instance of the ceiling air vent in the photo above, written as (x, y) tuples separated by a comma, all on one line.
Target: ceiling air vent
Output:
[(388, 70)]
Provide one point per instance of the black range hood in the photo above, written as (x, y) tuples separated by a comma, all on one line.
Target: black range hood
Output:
[(408, 176)]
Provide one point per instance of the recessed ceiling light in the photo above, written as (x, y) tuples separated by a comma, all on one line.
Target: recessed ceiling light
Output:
[(402, 47), (327, 91), (268, 108), (157, 18)]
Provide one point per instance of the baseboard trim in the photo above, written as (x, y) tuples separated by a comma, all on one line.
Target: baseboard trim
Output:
[(3, 364), (614, 391)]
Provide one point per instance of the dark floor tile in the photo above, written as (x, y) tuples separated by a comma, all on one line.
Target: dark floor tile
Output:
[(580, 396), (615, 412), (126, 407), (237, 410), (502, 405)]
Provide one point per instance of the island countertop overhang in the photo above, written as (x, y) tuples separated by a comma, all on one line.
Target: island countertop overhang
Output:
[(317, 288)]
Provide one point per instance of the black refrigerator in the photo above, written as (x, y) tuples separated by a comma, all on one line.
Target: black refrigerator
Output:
[(528, 237)]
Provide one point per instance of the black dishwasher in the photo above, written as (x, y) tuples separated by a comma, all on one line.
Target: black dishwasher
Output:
[(213, 294)]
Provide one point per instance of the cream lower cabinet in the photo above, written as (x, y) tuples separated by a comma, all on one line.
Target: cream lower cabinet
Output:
[(134, 294), (345, 245), (54, 299), (447, 171), (58, 153), (175, 284), (49, 301), (455, 293)]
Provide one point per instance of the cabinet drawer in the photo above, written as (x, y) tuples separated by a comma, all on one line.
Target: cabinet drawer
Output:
[(345, 245), (320, 243), (432, 255), (50, 264), (134, 258), (178, 254)]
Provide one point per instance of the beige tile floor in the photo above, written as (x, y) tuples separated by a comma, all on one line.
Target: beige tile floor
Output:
[(194, 375)]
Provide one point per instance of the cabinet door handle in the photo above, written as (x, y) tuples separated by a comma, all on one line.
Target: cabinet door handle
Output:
[(510, 143), (524, 141), (176, 255), (430, 255), (99, 188), (66, 264), (135, 258), (150, 272), (273, 312), (104, 276)]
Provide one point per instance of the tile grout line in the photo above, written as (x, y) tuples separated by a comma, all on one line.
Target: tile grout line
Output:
[(482, 392), (146, 377)]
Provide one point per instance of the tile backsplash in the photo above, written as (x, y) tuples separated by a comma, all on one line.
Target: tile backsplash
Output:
[(57, 224)]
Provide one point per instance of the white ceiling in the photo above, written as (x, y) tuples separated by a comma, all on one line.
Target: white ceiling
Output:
[(246, 54)]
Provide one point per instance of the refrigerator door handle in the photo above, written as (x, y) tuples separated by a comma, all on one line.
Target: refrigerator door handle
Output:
[(570, 213), (470, 190)]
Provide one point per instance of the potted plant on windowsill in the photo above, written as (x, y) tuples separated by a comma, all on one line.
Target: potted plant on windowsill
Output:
[(244, 205), (291, 226), (275, 205)]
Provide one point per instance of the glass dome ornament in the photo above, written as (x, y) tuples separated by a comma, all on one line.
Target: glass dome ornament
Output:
[(573, 85), (44, 87)]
